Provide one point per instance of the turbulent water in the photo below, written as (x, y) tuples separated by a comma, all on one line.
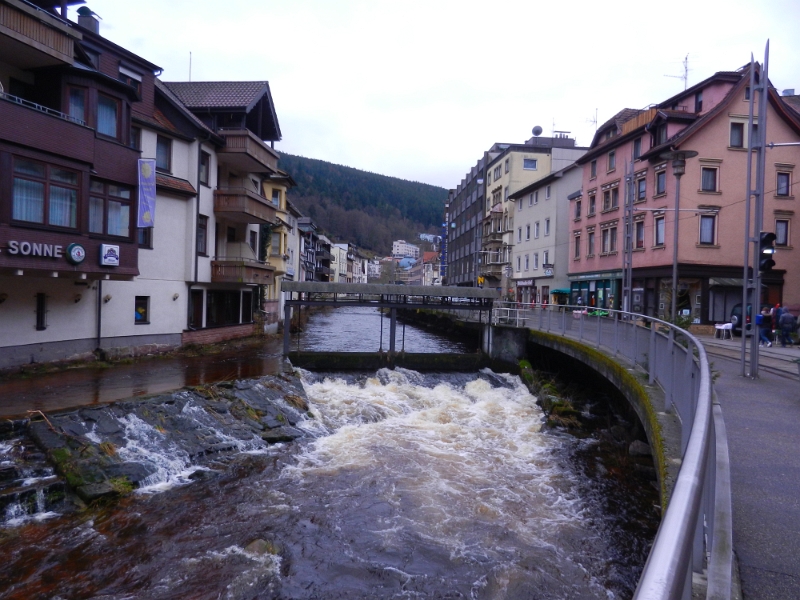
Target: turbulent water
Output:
[(406, 486)]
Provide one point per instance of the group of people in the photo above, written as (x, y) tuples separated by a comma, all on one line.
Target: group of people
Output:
[(777, 320)]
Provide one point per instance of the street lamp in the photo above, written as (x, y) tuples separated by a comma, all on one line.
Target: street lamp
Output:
[(678, 158)]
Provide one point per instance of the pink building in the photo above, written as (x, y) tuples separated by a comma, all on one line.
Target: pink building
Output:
[(710, 119)]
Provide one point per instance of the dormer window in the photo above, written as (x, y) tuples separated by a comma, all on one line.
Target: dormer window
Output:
[(698, 102), (660, 134), (132, 78)]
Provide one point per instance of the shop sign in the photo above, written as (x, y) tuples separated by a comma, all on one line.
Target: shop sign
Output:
[(548, 272), (525, 283), (109, 255), (18, 248)]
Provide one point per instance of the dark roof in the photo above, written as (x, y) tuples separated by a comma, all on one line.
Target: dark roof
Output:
[(174, 184), (218, 94), (172, 98), (626, 114)]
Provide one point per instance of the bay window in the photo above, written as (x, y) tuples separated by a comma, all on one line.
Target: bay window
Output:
[(108, 116), (110, 209), (44, 194)]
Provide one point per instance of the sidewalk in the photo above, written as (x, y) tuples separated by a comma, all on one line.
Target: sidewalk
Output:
[(762, 419)]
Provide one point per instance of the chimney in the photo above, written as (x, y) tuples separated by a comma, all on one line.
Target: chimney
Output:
[(88, 19)]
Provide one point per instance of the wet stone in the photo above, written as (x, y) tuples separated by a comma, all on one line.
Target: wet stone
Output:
[(134, 472), (45, 437), (94, 491), (281, 434)]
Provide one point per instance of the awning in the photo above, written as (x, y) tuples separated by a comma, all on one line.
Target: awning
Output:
[(724, 282), (559, 291)]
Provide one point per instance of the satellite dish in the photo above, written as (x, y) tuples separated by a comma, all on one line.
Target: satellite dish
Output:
[(537, 131)]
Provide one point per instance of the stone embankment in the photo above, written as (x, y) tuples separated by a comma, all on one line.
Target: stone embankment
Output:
[(108, 450)]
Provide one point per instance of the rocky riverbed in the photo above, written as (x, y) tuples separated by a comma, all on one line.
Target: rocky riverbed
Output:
[(141, 443)]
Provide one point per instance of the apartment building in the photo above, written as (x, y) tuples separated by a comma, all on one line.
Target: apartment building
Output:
[(709, 122), (540, 257)]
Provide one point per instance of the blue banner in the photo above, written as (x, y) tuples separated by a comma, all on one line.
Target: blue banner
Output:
[(147, 193)]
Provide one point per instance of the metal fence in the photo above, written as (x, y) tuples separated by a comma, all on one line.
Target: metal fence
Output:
[(695, 534)]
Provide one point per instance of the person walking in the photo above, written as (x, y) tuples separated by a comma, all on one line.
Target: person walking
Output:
[(786, 323), (764, 323)]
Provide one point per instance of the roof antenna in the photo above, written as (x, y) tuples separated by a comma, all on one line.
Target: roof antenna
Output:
[(190, 65), (685, 75)]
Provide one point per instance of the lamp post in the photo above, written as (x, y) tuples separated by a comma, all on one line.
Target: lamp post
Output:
[(678, 158)]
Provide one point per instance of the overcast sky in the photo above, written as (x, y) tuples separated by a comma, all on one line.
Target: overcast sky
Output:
[(419, 89)]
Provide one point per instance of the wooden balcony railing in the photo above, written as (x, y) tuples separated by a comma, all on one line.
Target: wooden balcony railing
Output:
[(245, 152), (241, 270), (28, 28), (243, 206)]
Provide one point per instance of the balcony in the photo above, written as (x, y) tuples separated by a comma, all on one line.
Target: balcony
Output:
[(240, 205), (241, 270), (31, 38), (281, 264), (320, 270), (324, 255), (245, 153)]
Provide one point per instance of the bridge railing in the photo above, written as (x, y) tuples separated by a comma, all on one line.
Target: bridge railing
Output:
[(696, 531)]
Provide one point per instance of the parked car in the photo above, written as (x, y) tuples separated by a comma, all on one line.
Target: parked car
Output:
[(736, 318)]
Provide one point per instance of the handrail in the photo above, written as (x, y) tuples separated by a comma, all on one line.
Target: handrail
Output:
[(43, 109), (700, 504)]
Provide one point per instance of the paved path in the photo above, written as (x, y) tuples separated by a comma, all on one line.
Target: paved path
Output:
[(762, 418)]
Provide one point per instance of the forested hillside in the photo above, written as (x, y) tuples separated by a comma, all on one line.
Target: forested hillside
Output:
[(363, 208)]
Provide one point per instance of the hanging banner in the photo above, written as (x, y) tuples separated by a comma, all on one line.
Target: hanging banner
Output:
[(147, 193)]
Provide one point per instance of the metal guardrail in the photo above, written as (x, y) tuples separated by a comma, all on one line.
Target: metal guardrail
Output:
[(696, 531)]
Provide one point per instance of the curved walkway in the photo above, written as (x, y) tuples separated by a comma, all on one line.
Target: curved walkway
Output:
[(762, 418)]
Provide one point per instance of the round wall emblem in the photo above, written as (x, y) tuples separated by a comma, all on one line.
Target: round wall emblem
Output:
[(76, 254)]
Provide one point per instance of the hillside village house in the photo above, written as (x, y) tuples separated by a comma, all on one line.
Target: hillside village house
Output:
[(77, 273), (540, 258), (709, 118)]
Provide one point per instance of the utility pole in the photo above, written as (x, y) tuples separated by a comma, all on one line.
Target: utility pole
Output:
[(751, 288)]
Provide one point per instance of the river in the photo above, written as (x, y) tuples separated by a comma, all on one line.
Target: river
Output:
[(406, 486)]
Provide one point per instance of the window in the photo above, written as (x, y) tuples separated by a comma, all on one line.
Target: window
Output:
[(661, 183), (784, 184), (547, 226), (202, 235), (660, 134), (638, 233), (205, 167), (497, 172), (506, 165), (77, 104), (505, 194), (536, 197), (781, 232), (747, 93), (135, 140), (45, 194), (659, 231), (592, 205), (163, 154), (547, 193), (577, 209), (530, 199), (737, 135), (637, 147), (109, 209), (708, 182), (606, 237), (708, 229), (536, 230), (590, 244), (108, 116), (41, 312), (141, 310), (519, 233), (607, 200), (529, 164), (519, 263), (641, 189), (527, 262), (593, 169), (546, 257), (132, 78), (577, 251), (698, 102), (527, 232), (535, 260), (144, 237), (231, 236), (612, 160), (254, 242)]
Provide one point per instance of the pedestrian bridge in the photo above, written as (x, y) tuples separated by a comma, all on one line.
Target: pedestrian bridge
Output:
[(389, 297)]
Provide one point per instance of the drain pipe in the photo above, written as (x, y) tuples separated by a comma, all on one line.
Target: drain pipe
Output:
[(99, 312)]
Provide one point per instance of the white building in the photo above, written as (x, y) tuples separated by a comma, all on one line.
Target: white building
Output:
[(402, 249)]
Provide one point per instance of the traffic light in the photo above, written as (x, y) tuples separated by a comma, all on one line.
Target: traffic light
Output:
[(766, 248)]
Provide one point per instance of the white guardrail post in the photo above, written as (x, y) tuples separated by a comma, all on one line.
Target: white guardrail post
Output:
[(696, 530)]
